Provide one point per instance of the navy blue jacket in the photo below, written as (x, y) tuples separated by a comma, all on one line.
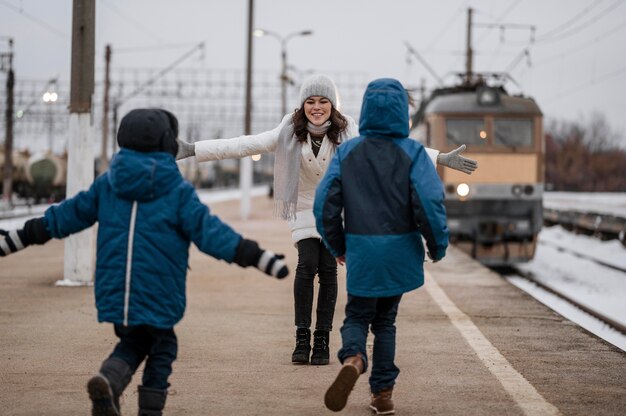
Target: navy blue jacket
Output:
[(147, 216), (381, 194)]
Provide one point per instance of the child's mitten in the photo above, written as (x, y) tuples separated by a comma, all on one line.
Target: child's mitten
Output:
[(250, 254)]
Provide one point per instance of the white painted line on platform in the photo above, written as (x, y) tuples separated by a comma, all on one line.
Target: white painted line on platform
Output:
[(523, 393)]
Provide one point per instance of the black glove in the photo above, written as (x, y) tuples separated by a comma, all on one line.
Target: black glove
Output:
[(431, 257), (250, 254), (34, 232)]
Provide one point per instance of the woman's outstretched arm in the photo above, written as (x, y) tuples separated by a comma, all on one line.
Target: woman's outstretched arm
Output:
[(233, 148)]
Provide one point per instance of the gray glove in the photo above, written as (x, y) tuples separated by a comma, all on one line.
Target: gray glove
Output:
[(454, 160), (185, 149)]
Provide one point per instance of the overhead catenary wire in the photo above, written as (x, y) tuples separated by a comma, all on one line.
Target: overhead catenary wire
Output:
[(587, 84), (35, 19), (572, 20), (612, 31), (136, 24), (540, 40)]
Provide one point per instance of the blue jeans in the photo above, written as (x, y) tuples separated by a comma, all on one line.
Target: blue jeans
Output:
[(379, 314), (157, 346)]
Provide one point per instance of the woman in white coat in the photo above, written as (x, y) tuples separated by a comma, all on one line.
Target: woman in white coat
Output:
[(304, 144)]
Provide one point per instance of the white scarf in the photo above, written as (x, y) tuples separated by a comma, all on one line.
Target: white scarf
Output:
[(287, 169)]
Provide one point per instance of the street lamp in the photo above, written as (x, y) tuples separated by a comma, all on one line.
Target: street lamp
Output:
[(284, 78), (50, 97)]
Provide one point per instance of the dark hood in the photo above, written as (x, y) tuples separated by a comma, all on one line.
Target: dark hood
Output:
[(149, 130), (143, 176), (385, 110)]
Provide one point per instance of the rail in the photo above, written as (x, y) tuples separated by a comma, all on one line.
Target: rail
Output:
[(600, 225)]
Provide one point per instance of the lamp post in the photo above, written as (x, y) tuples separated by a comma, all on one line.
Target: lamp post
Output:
[(284, 78), (50, 97)]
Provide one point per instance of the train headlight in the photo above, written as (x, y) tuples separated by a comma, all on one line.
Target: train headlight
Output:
[(529, 189), (522, 226), (462, 190), (454, 224), (488, 96), (517, 190)]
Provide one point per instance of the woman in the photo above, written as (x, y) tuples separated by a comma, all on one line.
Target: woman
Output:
[(304, 143)]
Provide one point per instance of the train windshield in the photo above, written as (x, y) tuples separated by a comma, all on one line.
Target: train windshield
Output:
[(513, 133), (466, 131)]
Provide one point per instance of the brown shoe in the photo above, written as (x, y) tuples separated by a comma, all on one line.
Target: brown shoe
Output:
[(337, 394), (382, 403)]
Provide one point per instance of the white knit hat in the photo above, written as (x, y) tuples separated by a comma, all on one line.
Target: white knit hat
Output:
[(319, 85)]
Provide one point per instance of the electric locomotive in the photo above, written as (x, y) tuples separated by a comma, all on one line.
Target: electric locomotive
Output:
[(494, 214)]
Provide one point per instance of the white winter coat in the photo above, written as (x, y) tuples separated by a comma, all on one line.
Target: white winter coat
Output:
[(312, 168)]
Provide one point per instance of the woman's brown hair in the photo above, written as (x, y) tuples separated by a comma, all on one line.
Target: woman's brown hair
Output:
[(338, 125)]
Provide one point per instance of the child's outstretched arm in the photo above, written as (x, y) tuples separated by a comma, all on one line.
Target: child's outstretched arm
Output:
[(34, 232), (250, 254), (219, 240)]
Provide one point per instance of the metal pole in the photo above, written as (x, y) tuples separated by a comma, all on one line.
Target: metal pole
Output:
[(245, 166), (7, 183), (469, 51), (79, 252), (283, 79), (104, 160)]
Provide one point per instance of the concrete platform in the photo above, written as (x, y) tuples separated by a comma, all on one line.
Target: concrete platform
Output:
[(469, 343)]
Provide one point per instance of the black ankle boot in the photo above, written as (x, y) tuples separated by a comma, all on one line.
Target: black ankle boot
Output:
[(151, 401), (106, 387), (303, 346), (320, 348)]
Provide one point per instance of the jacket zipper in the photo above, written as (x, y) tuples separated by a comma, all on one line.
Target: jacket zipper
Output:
[(129, 261)]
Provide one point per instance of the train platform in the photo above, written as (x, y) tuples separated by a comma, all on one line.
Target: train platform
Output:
[(468, 343)]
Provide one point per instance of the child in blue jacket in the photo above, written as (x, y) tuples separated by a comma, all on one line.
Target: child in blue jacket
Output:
[(147, 217), (381, 194)]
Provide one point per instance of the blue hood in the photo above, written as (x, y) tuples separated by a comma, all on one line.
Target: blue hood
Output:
[(143, 176), (385, 110)]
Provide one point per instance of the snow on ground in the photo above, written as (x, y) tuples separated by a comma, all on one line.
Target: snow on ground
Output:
[(611, 252), (571, 312), (601, 202), (597, 287)]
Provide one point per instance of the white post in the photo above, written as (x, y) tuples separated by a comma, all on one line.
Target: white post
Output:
[(79, 248), (245, 184), (245, 166)]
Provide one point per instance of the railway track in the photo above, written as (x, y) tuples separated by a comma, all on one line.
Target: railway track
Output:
[(585, 256), (618, 326)]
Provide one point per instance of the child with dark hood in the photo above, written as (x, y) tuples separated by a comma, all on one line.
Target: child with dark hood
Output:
[(379, 197), (147, 216)]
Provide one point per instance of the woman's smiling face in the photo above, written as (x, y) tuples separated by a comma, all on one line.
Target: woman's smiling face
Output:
[(317, 109)]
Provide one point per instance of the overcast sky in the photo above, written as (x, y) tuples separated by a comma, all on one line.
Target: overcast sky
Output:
[(576, 64)]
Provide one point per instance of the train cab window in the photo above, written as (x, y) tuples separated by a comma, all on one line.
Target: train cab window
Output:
[(466, 131), (513, 133)]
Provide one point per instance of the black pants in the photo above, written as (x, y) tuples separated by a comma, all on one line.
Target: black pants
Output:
[(157, 346), (314, 258)]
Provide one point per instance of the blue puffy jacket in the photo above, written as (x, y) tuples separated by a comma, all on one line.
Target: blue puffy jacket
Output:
[(380, 195), (147, 216)]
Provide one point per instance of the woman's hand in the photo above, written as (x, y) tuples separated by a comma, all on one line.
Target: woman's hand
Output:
[(341, 260), (454, 160), (185, 149)]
